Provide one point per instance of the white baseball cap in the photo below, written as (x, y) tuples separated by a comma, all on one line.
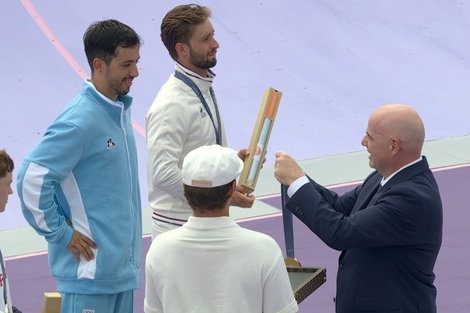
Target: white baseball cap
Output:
[(211, 166)]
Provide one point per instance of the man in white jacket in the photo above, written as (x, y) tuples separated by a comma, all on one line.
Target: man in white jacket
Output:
[(184, 115)]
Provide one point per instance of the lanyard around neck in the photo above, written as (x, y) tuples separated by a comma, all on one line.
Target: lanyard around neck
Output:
[(193, 86)]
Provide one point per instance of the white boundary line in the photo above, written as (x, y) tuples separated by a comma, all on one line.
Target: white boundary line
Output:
[(249, 219), (261, 217)]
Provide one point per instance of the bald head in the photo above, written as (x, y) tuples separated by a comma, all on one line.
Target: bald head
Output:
[(402, 122), (394, 137)]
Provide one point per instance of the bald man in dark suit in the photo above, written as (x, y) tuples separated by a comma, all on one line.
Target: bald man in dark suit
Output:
[(389, 229)]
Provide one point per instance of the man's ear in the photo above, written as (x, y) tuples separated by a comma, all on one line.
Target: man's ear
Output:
[(98, 65), (182, 49), (232, 189), (395, 146)]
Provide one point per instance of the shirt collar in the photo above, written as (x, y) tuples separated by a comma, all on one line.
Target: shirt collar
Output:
[(207, 223), (385, 180)]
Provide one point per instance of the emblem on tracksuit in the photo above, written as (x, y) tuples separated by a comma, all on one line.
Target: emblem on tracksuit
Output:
[(202, 112), (110, 143)]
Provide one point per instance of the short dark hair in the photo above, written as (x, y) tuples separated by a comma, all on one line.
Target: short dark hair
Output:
[(178, 25), (207, 198), (6, 164), (102, 38)]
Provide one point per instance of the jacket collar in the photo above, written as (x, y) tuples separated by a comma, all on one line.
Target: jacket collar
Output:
[(369, 193), (203, 83), (123, 102)]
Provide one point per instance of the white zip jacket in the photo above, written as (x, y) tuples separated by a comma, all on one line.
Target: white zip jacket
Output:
[(176, 124)]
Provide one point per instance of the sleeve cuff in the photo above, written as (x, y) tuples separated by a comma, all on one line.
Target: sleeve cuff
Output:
[(299, 182)]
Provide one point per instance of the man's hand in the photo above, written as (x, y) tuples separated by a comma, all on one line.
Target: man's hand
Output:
[(242, 200), (81, 244), (239, 198), (244, 153), (286, 170)]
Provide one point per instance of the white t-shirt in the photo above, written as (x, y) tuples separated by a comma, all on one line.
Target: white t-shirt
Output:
[(214, 265)]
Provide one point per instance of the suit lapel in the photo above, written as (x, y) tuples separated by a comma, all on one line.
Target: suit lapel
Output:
[(368, 191), (369, 195)]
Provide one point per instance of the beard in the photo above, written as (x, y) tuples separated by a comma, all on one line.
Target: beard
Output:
[(201, 60), (119, 86)]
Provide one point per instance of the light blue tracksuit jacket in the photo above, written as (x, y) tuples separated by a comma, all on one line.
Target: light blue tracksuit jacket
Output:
[(85, 170)]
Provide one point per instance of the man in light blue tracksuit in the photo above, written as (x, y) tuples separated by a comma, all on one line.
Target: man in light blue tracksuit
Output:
[(79, 185)]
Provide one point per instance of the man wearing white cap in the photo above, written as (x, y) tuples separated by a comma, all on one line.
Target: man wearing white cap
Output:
[(211, 264)]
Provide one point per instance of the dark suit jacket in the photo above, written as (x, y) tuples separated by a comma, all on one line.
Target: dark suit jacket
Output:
[(389, 239)]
